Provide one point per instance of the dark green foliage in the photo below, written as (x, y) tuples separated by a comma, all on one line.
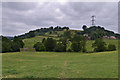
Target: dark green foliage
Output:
[(111, 47), (64, 42), (42, 31), (78, 43), (50, 44), (17, 43), (60, 47), (44, 40), (6, 44), (84, 27), (97, 32), (99, 45), (76, 46), (31, 34), (39, 46), (67, 34)]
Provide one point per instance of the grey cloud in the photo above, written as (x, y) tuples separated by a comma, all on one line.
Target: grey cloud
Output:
[(25, 16)]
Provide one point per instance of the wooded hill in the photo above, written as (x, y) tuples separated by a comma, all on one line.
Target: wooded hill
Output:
[(93, 32)]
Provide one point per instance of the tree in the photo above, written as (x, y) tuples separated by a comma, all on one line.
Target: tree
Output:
[(67, 34), (39, 46), (76, 46), (68, 47), (84, 27), (99, 45), (111, 47), (6, 44), (31, 34), (50, 44), (59, 47), (17, 43), (79, 43), (43, 40)]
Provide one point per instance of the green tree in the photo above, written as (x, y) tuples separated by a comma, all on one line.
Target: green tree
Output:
[(99, 45), (17, 43), (6, 44), (31, 34), (43, 40), (50, 44), (76, 46), (39, 46), (79, 43), (67, 34), (84, 27), (59, 47), (68, 47)]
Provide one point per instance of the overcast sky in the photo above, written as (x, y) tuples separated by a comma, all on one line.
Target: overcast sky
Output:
[(21, 17)]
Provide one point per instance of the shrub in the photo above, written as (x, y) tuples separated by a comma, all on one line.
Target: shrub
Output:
[(39, 46), (50, 44), (111, 47), (76, 47), (68, 48), (99, 45), (78, 43), (59, 47)]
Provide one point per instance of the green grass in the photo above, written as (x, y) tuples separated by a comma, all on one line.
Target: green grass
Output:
[(29, 42), (60, 65)]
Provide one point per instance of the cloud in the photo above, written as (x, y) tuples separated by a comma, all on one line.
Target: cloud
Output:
[(21, 17)]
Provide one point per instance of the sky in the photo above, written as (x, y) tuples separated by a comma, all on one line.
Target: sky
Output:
[(21, 17)]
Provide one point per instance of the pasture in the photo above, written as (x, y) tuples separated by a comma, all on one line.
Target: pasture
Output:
[(60, 65)]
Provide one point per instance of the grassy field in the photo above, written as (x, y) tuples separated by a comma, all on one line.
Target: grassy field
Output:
[(60, 65)]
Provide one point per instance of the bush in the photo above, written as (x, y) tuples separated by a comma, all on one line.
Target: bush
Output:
[(99, 45), (111, 47), (78, 43), (68, 48), (76, 47), (39, 46), (50, 44), (59, 47)]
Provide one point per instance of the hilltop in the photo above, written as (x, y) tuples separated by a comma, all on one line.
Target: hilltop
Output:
[(92, 32)]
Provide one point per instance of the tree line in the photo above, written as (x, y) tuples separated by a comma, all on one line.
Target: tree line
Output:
[(69, 43), (42, 31), (97, 32), (93, 32), (11, 45)]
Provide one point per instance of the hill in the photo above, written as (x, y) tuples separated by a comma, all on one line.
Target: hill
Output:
[(93, 32), (57, 31)]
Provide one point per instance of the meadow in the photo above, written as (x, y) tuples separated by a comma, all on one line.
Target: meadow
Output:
[(61, 64)]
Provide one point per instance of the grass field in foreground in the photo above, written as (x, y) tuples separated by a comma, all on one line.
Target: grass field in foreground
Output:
[(60, 65)]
